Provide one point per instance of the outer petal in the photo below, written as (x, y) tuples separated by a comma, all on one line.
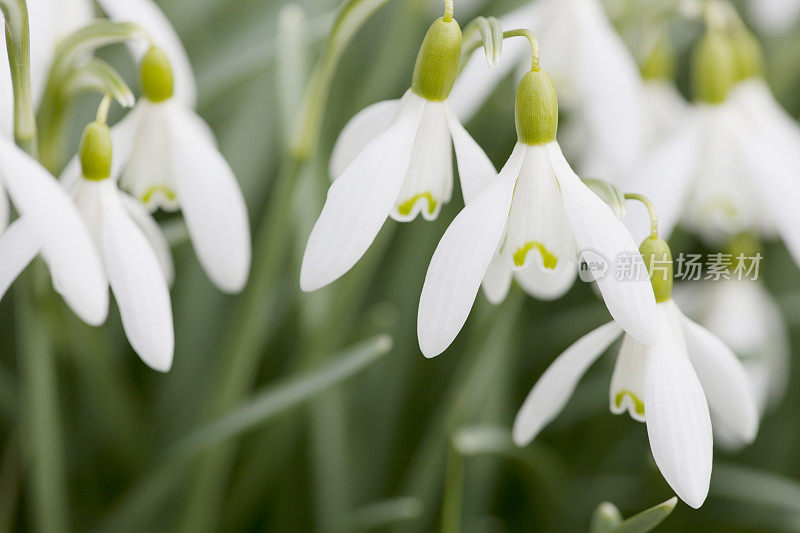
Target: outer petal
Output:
[(725, 382), (666, 178), (211, 202), (774, 16), (148, 15), (18, 247), (497, 280), (545, 284), (630, 301), (359, 202), (64, 242), (152, 231), (138, 284), (461, 260), (678, 421), (5, 209), (475, 170), (362, 128), (551, 393)]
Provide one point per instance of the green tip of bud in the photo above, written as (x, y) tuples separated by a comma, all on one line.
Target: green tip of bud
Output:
[(438, 61), (714, 68), (748, 54), (536, 109), (156, 75), (658, 260), (661, 63), (95, 152)]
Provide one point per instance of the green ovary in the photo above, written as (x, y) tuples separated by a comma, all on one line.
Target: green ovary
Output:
[(638, 405), (549, 259), (406, 207), (152, 191)]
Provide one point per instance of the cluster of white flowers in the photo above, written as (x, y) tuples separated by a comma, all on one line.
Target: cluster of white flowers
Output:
[(94, 228), (723, 166)]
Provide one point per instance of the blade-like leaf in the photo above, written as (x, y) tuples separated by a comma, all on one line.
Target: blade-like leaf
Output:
[(380, 515), (647, 520)]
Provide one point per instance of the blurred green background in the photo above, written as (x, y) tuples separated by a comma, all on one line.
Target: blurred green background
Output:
[(403, 439)]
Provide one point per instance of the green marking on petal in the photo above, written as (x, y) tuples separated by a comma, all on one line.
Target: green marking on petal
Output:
[(638, 404), (549, 259), (406, 207), (152, 191)]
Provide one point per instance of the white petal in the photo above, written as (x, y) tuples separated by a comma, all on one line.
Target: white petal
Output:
[(65, 244), (666, 178), (775, 16), (547, 284), (359, 202), (5, 209), (725, 382), (551, 393), (539, 232), (362, 128), (211, 202), (630, 301), (497, 280), (627, 382), (429, 180), (678, 421), (124, 136), (475, 170), (18, 247), (149, 16), (461, 260), (152, 231), (138, 284)]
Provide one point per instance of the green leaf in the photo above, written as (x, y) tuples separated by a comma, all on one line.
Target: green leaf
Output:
[(605, 518), (647, 520), (381, 515), (755, 487)]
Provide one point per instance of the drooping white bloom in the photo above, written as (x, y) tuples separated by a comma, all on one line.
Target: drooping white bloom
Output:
[(48, 225), (597, 78), (394, 159), (774, 16), (132, 268), (149, 16), (743, 314), (533, 219), (672, 386), (167, 157)]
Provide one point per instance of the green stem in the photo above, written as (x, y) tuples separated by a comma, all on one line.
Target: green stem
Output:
[(651, 210), (19, 60), (453, 492), (448, 10), (534, 42)]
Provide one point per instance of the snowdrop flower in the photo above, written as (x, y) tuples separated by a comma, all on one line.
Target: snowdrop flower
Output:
[(675, 386), (394, 159), (733, 166), (774, 16), (532, 220), (132, 268), (597, 78), (49, 226), (665, 109), (167, 158)]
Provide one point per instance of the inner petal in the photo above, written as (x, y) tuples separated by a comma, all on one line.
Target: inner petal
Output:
[(627, 382), (147, 176), (539, 233), (429, 182)]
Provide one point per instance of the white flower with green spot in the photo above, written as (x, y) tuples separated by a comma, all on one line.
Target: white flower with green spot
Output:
[(675, 386), (395, 159), (530, 222), (131, 247)]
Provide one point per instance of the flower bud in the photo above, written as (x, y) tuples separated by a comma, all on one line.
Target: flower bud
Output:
[(658, 260), (660, 64), (714, 68), (95, 152), (748, 54), (438, 60), (536, 109), (156, 75)]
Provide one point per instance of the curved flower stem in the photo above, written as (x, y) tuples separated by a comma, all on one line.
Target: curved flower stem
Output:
[(534, 42), (651, 209), (102, 109), (19, 60), (448, 10)]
